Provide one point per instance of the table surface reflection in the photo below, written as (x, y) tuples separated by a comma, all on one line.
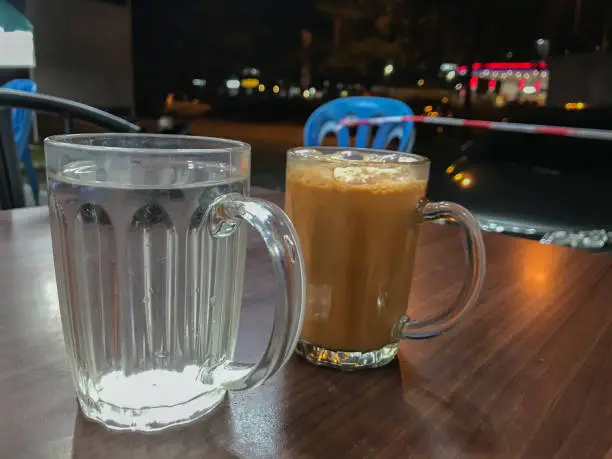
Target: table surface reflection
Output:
[(528, 375)]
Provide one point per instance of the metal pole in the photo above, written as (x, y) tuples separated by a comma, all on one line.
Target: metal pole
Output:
[(35, 133)]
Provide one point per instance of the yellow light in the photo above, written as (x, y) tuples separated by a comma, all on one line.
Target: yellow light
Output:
[(421, 82), (458, 177), (445, 100), (580, 106), (450, 169), (275, 89), (250, 83), (433, 114), (466, 182), (570, 106), (388, 70), (343, 93), (261, 88), (428, 108), (306, 93)]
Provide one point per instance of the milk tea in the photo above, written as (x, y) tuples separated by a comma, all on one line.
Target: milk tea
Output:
[(358, 227)]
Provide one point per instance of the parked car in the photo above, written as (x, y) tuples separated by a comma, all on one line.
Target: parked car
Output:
[(534, 185)]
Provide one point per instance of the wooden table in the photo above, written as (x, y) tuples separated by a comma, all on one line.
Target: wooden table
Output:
[(529, 375)]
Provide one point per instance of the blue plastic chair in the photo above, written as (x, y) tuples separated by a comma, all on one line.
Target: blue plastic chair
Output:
[(22, 125), (325, 118)]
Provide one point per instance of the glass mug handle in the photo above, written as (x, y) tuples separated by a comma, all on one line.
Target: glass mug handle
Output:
[(281, 239), (472, 285)]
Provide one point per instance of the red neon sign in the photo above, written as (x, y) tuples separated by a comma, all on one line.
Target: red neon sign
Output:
[(514, 65)]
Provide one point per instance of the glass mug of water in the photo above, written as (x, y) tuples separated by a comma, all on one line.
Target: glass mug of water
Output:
[(358, 213), (149, 246)]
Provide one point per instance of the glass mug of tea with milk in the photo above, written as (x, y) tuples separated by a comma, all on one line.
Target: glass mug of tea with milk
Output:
[(149, 241), (358, 213)]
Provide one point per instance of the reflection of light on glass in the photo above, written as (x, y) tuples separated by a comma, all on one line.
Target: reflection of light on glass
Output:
[(244, 165), (50, 291)]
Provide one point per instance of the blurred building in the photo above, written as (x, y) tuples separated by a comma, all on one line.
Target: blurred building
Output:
[(83, 50), (500, 83)]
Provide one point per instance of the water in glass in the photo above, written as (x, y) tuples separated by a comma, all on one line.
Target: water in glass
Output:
[(149, 300)]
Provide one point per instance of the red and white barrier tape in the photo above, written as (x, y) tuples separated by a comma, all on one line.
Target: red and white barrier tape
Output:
[(600, 134)]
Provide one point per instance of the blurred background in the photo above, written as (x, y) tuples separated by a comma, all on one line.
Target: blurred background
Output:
[(255, 71)]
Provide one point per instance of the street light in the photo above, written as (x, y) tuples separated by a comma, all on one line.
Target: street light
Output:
[(543, 48), (389, 69)]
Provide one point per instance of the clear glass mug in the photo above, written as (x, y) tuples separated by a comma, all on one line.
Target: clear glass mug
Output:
[(358, 213), (149, 248)]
